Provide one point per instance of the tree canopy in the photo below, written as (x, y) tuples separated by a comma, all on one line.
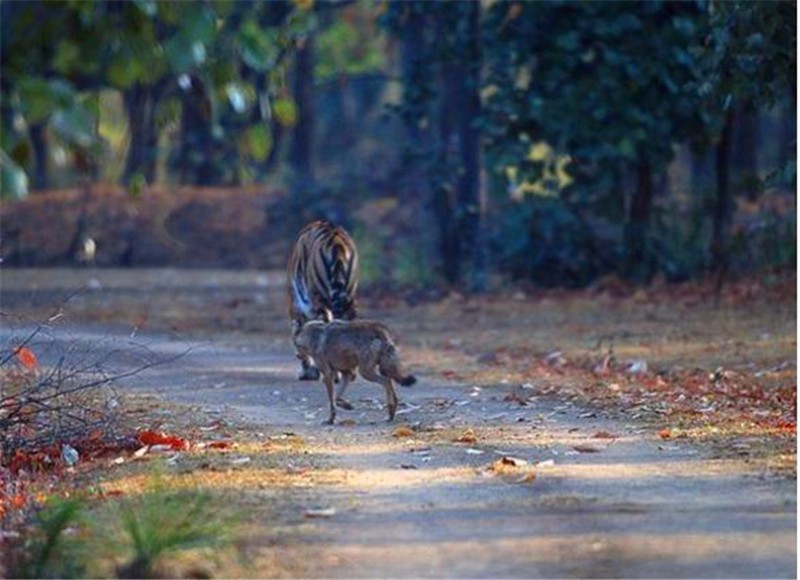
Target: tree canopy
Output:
[(559, 120)]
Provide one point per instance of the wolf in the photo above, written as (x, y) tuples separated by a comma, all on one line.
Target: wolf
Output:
[(340, 348)]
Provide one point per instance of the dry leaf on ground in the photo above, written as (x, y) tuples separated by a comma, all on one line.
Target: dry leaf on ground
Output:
[(403, 431), (320, 512), (585, 448), (467, 436), (527, 478), (604, 435)]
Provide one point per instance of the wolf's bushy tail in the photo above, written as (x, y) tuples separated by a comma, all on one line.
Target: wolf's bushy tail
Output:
[(407, 381), (390, 366)]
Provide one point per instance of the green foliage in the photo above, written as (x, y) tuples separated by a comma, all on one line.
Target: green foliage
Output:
[(603, 82), (550, 245), (750, 53), (65, 543), (49, 552), (351, 45), (258, 47), (161, 523), (231, 49), (257, 142), (13, 180)]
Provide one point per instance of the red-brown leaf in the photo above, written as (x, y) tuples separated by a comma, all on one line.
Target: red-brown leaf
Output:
[(148, 437), (604, 435), (26, 357)]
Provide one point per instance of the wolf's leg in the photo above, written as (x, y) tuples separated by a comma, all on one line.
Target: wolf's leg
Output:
[(347, 377), (328, 377), (372, 375), (308, 372)]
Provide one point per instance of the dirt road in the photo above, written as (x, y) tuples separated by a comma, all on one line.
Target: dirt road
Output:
[(428, 505), (578, 493)]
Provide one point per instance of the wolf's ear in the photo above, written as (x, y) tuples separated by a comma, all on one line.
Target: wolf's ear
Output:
[(326, 315)]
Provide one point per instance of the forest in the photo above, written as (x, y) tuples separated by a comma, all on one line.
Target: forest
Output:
[(465, 143), (572, 225)]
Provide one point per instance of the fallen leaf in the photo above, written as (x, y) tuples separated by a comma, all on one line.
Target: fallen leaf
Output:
[(141, 451), (555, 359), (467, 436), (26, 357), (160, 448), (409, 407), (148, 437), (527, 478), (512, 470), (665, 433), (604, 435), (514, 397), (420, 450), (403, 431), (515, 461), (69, 455), (637, 367), (604, 366), (585, 448), (320, 512)]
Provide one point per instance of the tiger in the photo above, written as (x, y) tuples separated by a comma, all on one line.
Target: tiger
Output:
[(322, 278)]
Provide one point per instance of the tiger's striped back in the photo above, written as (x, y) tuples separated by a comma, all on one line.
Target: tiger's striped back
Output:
[(322, 273)]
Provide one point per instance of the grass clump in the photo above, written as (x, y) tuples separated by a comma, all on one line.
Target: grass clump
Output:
[(50, 550), (162, 523), (131, 537)]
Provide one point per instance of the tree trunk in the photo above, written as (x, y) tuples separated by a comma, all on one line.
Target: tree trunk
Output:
[(277, 132), (470, 209), (701, 171), (302, 148), (198, 160), (40, 155), (448, 187), (140, 103), (445, 196), (638, 260), (745, 152), (788, 132), (723, 204)]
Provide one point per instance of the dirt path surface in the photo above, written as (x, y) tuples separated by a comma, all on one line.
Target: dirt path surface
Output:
[(428, 505), (477, 485)]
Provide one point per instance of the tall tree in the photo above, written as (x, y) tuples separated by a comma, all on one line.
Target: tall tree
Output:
[(602, 82), (471, 209), (749, 60), (441, 66), (302, 148)]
